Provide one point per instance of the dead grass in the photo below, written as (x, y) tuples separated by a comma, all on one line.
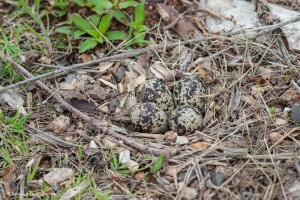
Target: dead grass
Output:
[(245, 79)]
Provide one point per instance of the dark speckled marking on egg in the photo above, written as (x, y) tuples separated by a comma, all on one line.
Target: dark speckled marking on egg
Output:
[(157, 92), (148, 117), (188, 91), (185, 119)]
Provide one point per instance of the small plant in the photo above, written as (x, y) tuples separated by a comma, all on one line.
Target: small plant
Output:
[(12, 135), (158, 164), (259, 88), (118, 167), (98, 194), (272, 110), (97, 26), (32, 172)]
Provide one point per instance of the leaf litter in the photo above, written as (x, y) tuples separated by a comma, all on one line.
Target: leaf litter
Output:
[(248, 146)]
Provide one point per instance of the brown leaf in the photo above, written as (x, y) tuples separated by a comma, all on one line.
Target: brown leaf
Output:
[(275, 136), (8, 179), (83, 105), (199, 146), (85, 57), (290, 96)]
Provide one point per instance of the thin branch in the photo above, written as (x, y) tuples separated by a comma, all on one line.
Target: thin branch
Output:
[(64, 69), (93, 62), (90, 120)]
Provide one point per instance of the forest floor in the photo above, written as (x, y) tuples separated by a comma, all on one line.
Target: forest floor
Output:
[(69, 70)]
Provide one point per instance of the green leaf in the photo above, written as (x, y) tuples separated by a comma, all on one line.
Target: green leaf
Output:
[(116, 35), (121, 17), (132, 24), (61, 4), (105, 23), (105, 4), (87, 44), (1, 115), (79, 2), (79, 33), (96, 35), (139, 14), (81, 23), (115, 2), (58, 13), (95, 19), (127, 4), (98, 9), (29, 11), (114, 160), (158, 164), (65, 30), (142, 28)]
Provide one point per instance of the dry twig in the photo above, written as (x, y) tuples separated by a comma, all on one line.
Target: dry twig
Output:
[(90, 120)]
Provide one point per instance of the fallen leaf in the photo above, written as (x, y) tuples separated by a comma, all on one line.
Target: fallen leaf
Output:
[(139, 80), (280, 121), (58, 175), (13, 100), (275, 136), (60, 124), (199, 146), (133, 166), (85, 57), (8, 180), (83, 105)]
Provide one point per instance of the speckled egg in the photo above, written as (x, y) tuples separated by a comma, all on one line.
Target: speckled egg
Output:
[(185, 119), (148, 117), (157, 92), (188, 91)]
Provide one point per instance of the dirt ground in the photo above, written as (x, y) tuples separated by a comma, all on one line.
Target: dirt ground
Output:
[(72, 137)]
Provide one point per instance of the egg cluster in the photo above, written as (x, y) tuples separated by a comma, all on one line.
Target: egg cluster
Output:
[(156, 110)]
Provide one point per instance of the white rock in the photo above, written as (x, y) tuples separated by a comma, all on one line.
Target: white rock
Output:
[(93, 145), (181, 140)]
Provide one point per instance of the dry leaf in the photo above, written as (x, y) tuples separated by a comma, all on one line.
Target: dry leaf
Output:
[(139, 80), (60, 124), (8, 179), (104, 66), (85, 57), (58, 175), (275, 136), (67, 86), (280, 121), (13, 100), (199, 146)]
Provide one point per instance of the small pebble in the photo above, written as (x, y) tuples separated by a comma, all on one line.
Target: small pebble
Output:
[(217, 178), (119, 74), (295, 112), (181, 140), (93, 145)]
